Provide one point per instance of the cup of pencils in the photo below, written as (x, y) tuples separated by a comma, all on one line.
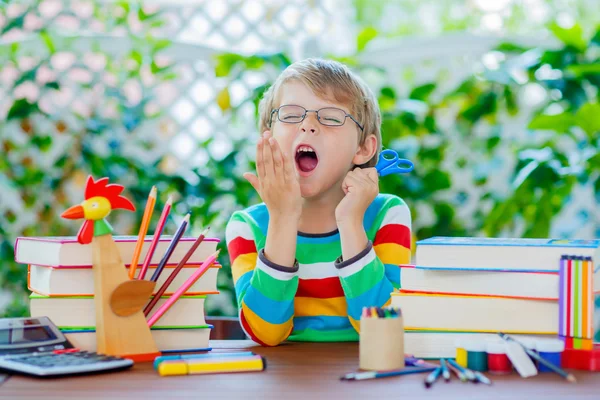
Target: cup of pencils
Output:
[(381, 342)]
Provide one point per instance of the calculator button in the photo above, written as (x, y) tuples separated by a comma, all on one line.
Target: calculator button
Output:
[(74, 350)]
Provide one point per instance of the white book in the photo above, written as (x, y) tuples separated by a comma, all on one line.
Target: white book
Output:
[(500, 254), (477, 314), (188, 339), (80, 312), (430, 344), (49, 281), (536, 285), (66, 251)]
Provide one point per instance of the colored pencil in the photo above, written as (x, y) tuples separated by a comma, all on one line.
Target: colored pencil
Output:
[(174, 273), (432, 377), (561, 295), (411, 361), (467, 372), (569, 377), (183, 288), (584, 298), (445, 370), (569, 305), (577, 300), (459, 374), (482, 378), (159, 228), (589, 298), (176, 237), (143, 230), (360, 376)]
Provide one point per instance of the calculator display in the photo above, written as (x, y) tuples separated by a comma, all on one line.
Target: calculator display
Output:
[(26, 334), (18, 335)]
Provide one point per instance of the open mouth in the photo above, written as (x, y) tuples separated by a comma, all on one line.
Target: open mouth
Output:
[(306, 158)]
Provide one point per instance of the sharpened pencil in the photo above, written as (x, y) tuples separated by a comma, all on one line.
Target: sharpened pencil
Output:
[(143, 230), (183, 288), (360, 376), (175, 272), (161, 225), (432, 377), (174, 242)]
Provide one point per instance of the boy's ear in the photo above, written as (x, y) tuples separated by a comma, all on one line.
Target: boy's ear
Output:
[(366, 151)]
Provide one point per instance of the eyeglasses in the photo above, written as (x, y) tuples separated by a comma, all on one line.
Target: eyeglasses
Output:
[(328, 116)]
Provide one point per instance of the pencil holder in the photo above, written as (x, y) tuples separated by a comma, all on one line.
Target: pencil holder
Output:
[(381, 343)]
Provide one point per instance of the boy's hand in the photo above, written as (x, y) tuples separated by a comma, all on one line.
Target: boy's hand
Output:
[(276, 183), (361, 186)]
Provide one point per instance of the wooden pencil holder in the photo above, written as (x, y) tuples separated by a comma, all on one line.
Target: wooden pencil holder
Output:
[(381, 343), (121, 327)]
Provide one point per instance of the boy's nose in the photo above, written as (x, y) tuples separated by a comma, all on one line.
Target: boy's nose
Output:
[(310, 123)]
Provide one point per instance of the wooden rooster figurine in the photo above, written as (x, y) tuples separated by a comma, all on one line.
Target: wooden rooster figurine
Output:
[(121, 328)]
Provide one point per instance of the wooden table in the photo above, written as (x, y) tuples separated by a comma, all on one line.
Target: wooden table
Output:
[(294, 371)]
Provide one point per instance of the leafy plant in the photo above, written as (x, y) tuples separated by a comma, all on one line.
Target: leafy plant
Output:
[(545, 172), (103, 132), (457, 138), (567, 153)]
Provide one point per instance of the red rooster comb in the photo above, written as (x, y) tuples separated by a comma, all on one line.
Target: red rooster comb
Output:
[(111, 192)]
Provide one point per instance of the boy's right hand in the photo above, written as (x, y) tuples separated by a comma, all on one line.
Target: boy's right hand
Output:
[(277, 182)]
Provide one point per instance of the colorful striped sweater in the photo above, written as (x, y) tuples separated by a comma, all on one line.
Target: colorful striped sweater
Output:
[(322, 296)]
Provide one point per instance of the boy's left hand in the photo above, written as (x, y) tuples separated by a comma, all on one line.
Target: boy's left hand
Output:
[(361, 186)]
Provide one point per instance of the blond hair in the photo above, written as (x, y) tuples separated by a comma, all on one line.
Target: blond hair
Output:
[(329, 80)]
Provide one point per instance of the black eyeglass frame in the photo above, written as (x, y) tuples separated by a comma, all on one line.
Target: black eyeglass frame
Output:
[(346, 115)]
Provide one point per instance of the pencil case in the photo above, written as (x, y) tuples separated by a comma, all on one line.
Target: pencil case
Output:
[(381, 343)]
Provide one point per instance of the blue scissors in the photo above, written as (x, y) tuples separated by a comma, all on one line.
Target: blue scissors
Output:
[(389, 163)]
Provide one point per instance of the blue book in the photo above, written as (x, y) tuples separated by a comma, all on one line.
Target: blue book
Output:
[(501, 254)]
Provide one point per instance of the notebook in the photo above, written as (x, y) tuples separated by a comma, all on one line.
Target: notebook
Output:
[(77, 312), (66, 251), (423, 311), (500, 254), (540, 285), (61, 281)]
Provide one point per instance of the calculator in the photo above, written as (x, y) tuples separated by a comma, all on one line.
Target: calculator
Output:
[(35, 346)]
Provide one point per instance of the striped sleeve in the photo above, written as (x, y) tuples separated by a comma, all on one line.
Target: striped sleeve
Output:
[(369, 278), (265, 291)]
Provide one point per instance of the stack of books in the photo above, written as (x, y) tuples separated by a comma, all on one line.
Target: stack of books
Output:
[(61, 280), (468, 289)]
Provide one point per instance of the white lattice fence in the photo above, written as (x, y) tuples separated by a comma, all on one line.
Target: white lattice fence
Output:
[(201, 29)]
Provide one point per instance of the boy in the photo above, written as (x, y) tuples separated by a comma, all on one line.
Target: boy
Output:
[(325, 243)]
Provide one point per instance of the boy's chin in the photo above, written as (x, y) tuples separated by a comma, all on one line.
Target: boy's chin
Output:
[(308, 190), (314, 188)]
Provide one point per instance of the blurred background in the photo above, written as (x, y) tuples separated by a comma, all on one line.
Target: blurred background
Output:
[(496, 103)]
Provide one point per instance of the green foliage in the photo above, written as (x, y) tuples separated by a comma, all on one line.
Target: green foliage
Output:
[(562, 153), (544, 174), (51, 154), (364, 37)]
